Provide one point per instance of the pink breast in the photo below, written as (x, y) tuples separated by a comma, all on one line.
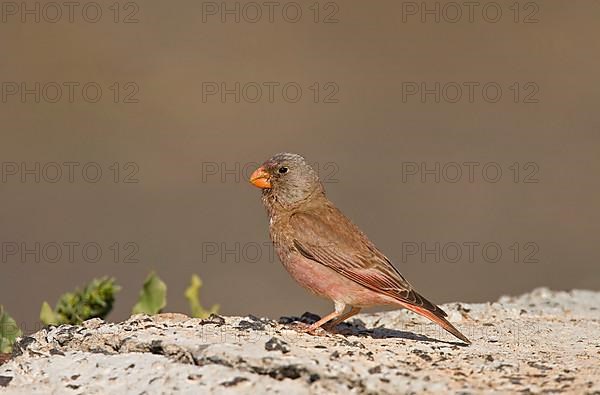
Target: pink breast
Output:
[(327, 283)]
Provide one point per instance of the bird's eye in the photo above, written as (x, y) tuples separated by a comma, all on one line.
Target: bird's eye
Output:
[(283, 170)]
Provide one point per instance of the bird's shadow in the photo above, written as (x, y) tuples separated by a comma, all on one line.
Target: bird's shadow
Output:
[(357, 327)]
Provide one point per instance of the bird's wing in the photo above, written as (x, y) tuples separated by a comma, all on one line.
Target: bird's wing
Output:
[(329, 238)]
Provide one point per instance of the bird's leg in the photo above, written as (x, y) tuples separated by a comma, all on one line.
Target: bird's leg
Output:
[(322, 321), (353, 311), (339, 309)]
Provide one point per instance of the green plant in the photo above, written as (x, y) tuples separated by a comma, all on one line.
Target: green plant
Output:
[(192, 294), (9, 331), (95, 300), (153, 296)]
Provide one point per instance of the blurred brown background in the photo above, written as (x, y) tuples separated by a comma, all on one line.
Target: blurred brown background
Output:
[(192, 210)]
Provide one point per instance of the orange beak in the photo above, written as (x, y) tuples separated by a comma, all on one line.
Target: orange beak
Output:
[(260, 178)]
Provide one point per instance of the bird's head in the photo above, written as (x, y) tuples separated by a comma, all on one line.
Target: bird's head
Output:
[(287, 178)]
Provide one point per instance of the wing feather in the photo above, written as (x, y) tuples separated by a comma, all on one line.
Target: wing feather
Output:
[(329, 238)]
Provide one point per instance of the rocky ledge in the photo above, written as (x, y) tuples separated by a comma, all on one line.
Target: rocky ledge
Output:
[(540, 342)]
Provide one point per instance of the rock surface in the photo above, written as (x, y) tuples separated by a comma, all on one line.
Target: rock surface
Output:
[(541, 342)]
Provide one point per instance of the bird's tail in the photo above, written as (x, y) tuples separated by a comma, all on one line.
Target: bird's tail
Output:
[(436, 316)]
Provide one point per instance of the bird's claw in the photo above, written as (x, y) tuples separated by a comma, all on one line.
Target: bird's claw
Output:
[(310, 329), (324, 330)]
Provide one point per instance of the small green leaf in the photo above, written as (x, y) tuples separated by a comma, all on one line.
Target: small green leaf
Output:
[(192, 294), (47, 315), (9, 331), (94, 301), (153, 296)]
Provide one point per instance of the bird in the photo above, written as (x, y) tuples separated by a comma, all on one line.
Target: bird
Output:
[(326, 253)]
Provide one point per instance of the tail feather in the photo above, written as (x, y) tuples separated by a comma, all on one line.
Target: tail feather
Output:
[(437, 316)]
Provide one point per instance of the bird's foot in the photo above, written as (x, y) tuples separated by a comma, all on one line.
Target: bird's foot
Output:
[(306, 328), (298, 326)]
